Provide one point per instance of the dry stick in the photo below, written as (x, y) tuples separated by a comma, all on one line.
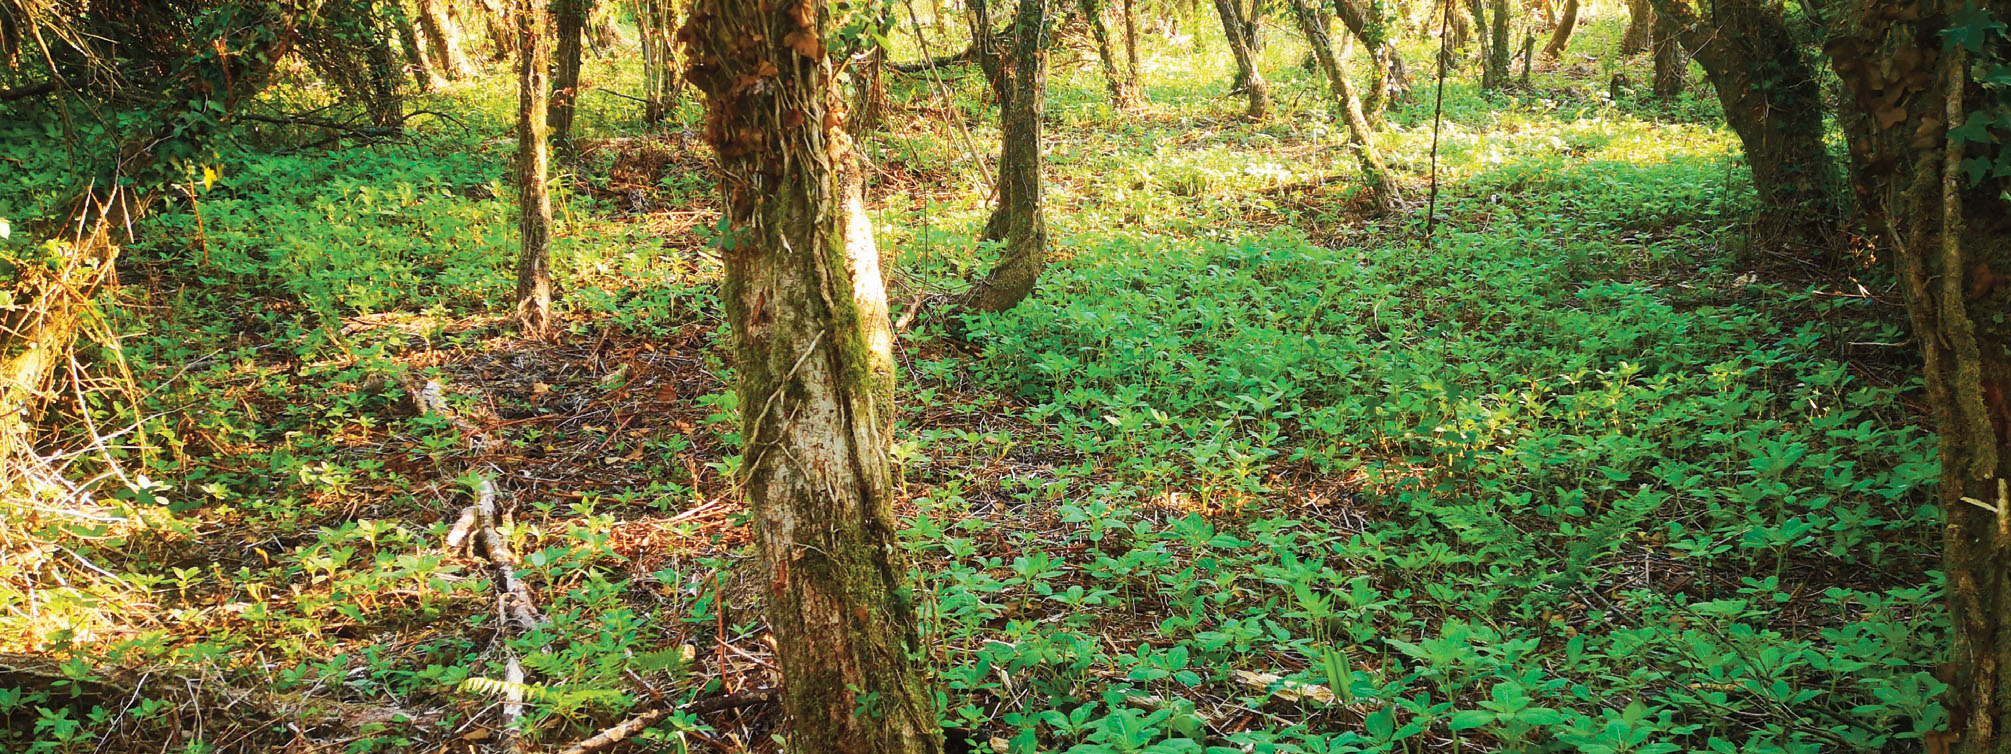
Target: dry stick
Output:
[(1437, 117), (477, 527), (647, 720)]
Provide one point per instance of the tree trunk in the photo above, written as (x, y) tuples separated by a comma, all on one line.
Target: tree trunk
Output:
[(1131, 49), (1370, 24), (381, 101), (1773, 102), (1921, 168), (655, 20), (1494, 71), (1640, 18), (1020, 220), (1121, 93), (425, 75), (443, 39), (570, 19), (869, 95), (1382, 192), (1672, 67), (534, 202), (811, 343), (1560, 38), (1252, 79)]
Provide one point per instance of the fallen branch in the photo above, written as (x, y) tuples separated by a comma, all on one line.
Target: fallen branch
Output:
[(112, 682), (634, 725)]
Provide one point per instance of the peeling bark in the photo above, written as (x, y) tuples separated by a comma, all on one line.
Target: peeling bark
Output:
[(813, 351)]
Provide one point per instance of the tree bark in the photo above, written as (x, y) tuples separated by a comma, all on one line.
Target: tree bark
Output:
[(534, 202), (570, 19), (654, 21), (810, 343), (425, 75), (1640, 18), (1560, 38), (869, 94), (1121, 92), (1773, 101), (1370, 24), (1252, 79), (1134, 72), (1020, 220), (1947, 231), (443, 39), (1382, 191), (1494, 71), (1672, 67), (381, 101)]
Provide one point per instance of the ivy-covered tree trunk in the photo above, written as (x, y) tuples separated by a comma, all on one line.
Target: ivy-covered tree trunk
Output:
[(443, 39), (1247, 72), (1931, 171), (534, 202), (569, 17), (812, 348), (1019, 79), (1773, 101), (1122, 93), (1382, 190), (1560, 38)]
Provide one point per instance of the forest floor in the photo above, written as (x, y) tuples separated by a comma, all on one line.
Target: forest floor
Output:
[(1254, 471)]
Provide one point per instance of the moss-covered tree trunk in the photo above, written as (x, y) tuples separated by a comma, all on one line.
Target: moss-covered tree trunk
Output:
[(1494, 67), (569, 21), (443, 39), (1773, 101), (1369, 23), (534, 201), (1247, 73), (1382, 190), (1122, 92), (1019, 79), (812, 348), (1925, 139)]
